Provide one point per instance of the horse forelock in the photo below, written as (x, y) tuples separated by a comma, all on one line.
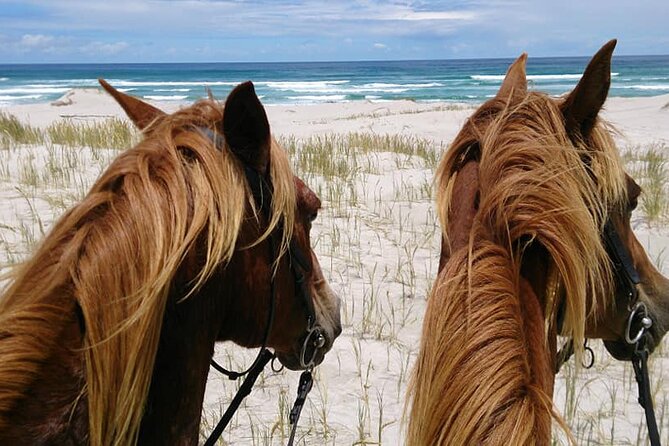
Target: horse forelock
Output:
[(535, 185), (115, 255)]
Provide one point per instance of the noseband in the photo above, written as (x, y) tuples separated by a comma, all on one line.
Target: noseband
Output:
[(262, 191)]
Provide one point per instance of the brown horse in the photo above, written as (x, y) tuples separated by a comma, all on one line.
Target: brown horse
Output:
[(107, 332), (524, 194)]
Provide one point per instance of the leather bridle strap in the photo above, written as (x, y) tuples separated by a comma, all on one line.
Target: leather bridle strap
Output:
[(303, 389), (640, 364), (262, 191), (638, 323), (244, 390), (262, 194), (622, 262)]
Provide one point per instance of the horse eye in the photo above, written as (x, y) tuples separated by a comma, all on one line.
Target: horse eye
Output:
[(633, 203)]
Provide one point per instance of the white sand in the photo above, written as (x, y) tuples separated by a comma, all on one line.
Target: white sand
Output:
[(382, 255)]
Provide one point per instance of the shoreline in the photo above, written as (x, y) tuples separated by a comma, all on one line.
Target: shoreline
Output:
[(639, 120)]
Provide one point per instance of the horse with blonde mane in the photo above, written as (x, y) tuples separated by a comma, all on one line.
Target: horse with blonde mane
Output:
[(525, 194), (107, 331)]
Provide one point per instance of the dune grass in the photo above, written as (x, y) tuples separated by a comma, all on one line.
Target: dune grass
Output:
[(13, 131), (648, 165)]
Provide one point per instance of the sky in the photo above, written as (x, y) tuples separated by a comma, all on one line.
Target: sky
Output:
[(34, 31)]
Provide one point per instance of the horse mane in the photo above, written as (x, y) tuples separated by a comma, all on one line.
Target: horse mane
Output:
[(478, 376), (114, 255)]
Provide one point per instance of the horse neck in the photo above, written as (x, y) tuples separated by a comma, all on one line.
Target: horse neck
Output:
[(176, 394), (53, 408), (190, 329), (483, 374)]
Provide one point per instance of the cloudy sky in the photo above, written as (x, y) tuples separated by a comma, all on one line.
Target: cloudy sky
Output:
[(312, 30)]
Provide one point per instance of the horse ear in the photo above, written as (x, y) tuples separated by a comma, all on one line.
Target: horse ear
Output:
[(246, 127), (581, 107), (514, 86), (139, 112)]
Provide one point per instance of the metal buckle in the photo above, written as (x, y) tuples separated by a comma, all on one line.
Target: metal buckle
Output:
[(314, 340), (638, 313)]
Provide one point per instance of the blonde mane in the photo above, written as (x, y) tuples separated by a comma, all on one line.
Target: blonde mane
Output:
[(115, 255), (478, 377)]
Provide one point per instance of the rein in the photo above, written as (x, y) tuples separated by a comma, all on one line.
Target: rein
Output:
[(638, 323), (262, 191)]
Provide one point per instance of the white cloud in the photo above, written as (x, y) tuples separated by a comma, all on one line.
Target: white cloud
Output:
[(104, 48), (380, 46), (411, 15), (36, 40)]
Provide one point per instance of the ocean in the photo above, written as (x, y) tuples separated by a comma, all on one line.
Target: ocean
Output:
[(472, 80)]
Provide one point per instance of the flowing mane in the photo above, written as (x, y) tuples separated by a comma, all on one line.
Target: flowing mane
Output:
[(146, 213), (482, 375)]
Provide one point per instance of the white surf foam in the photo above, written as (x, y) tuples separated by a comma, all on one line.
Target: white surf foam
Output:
[(321, 98), (36, 90), (305, 86), (532, 77), (644, 87), (175, 97), (18, 98), (122, 83)]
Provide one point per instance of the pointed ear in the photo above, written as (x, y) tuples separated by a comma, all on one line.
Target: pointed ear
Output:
[(139, 112), (246, 127), (514, 86), (581, 107)]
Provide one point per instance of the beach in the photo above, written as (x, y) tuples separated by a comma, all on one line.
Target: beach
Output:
[(378, 242)]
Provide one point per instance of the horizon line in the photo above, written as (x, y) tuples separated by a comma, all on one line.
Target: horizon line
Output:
[(323, 61)]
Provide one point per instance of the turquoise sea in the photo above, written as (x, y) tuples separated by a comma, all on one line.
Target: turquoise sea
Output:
[(316, 82)]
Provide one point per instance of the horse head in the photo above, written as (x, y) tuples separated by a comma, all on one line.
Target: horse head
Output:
[(610, 198), (265, 263)]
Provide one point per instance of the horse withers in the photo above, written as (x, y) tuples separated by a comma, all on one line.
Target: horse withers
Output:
[(188, 238), (535, 211)]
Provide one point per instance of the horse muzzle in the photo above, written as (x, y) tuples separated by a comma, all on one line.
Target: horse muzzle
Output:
[(646, 335), (310, 351)]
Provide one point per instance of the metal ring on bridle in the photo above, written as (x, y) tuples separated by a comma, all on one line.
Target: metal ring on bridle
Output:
[(639, 310), (276, 369), (314, 340)]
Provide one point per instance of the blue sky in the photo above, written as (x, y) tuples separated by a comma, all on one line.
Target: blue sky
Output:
[(302, 30)]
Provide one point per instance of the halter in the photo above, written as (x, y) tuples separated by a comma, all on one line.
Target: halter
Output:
[(262, 192), (638, 323)]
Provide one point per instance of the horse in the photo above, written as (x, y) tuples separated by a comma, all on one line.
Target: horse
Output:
[(528, 196), (191, 237)]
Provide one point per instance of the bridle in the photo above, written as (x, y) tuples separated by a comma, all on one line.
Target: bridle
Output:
[(638, 323), (314, 339)]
